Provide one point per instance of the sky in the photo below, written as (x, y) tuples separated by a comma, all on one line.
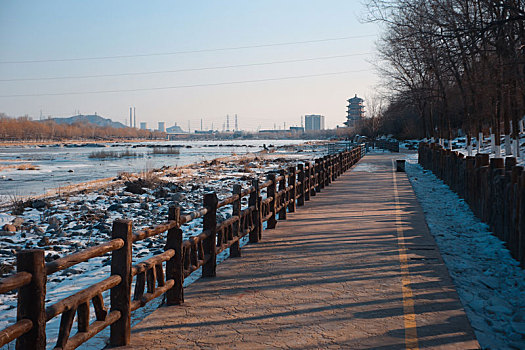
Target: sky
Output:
[(270, 62)]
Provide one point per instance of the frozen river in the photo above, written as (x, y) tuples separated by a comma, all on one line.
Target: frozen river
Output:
[(62, 166)]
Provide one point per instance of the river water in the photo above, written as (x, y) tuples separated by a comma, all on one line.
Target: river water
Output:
[(59, 166)]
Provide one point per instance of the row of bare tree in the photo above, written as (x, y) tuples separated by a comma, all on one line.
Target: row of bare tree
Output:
[(23, 128), (456, 64)]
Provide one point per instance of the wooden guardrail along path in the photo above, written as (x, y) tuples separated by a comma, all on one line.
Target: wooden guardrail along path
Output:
[(163, 273), (356, 268), (494, 189)]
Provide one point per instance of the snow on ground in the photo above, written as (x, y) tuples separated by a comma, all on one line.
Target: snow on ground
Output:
[(460, 144), (489, 281)]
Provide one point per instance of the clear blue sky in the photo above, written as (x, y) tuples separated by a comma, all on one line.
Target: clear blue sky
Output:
[(50, 30)]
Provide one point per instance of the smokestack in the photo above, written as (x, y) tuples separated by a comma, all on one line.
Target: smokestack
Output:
[(201, 124), (130, 117), (236, 124), (227, 122), (134, 118)]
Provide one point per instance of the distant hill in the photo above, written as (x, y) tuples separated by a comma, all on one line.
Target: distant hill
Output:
[(92, 119)]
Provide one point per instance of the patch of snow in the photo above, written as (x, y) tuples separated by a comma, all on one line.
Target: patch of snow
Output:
[(489, 281)]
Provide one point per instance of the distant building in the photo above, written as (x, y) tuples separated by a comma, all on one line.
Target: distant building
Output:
[(296, 129), (270, 131), (313, 122), (162, 126), (175, 129), (143, 126), (355, 112)]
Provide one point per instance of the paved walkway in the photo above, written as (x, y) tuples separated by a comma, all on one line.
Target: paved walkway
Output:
[(355, 268)]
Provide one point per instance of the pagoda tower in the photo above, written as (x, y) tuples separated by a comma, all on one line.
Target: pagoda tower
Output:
[(355, 112)]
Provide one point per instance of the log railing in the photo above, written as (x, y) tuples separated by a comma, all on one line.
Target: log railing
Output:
[(493, 188), (164, 273)]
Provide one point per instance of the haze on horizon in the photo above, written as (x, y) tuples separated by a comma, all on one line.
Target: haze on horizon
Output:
[(46, 44)]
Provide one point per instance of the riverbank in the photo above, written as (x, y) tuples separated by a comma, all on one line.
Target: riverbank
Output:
[(75, 220), (77, 216), (20, 143)]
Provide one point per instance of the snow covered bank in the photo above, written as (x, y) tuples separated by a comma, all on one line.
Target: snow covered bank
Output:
[(489, 281), (72, 222)]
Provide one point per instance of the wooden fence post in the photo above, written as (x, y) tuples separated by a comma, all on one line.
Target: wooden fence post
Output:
[(301, 178), (283, 198), (510, 209), (31, 299), (313, 177), (235, 249), (175, 266), (209, 223), (271, 192), (468, 179), (521, 220), (307, 181), (338, 162), (322, 172), (335, 166), (317, 176), (332, 176), (254, 200), (293, 191), (259, 214), (120, 331), (326, 170)]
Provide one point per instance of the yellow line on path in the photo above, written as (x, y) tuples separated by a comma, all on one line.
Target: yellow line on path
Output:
[(411, 340)]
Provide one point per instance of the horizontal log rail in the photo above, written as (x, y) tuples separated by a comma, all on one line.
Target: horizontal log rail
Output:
[(161, 274), (82, 256), (16, 281), (73, 301), (16, 330)]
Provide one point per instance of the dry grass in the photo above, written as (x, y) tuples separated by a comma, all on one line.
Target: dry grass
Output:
[(27, 166), (24, 166), (18, 204), (166, 150), (150, 178), (113, 154), (125, 175)]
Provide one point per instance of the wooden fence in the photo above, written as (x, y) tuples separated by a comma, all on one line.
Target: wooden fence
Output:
[(165, 272), (494, 189)]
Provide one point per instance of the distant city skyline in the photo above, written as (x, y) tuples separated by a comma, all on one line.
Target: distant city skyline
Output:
[(268, 62)]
